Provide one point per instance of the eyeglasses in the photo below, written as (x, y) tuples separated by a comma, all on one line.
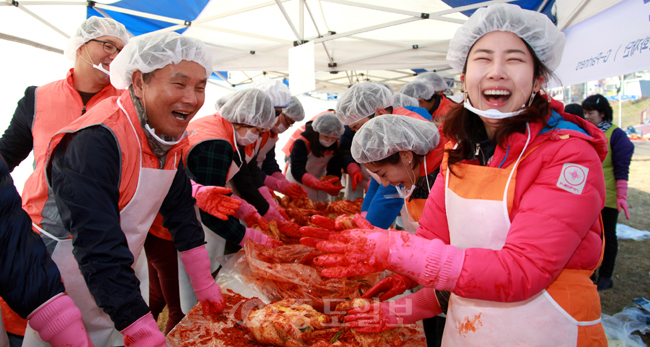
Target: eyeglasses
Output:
[(109, 48)]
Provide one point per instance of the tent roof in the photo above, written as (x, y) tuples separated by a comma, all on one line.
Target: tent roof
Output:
[(355, 40)]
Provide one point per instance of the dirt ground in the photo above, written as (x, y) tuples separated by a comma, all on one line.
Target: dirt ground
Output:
[(632, 271)]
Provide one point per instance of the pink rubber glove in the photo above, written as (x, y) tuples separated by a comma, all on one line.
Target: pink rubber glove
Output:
[(273, 213), (285, 187), (384, 316), (290, 229), (248, 213), (296, 190), (364, 214), (430, 263), (327, 186), (258, 237), (212, 199), (144, 333), (389, 287), (58, 321), (197, 266), (355, 174), (621, 197)]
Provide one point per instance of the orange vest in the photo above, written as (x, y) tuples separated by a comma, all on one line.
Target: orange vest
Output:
[(445, 106), (296, 134), (57, 105)]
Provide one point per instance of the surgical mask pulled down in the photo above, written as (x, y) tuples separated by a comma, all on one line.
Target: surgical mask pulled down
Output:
[(246, 140), (494, 113), (96, 66), (402, 192), (279, 129), (326, 143)]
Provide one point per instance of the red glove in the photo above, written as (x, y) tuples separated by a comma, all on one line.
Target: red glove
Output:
[(390, 287), (355, 174), (299, 193), (326, 186), (362, 222), (212, 200), (357, 252), (289, 228), (384, 316), (197, 266), (58, 321), (621, 197), (323, 222), (144, 333), (255, 218)]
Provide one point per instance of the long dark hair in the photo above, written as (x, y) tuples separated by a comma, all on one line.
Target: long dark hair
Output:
[(466, 128), (314, 141), (599, 103)]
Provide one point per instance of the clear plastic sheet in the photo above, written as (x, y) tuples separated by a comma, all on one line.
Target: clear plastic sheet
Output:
[(619, 328)]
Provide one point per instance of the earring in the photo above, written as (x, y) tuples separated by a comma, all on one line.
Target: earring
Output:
[(532, 97)]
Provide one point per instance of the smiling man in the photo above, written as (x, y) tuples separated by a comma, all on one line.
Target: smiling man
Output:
[(112, 171), (46, 109)]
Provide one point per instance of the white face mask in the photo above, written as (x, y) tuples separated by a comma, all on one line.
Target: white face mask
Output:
[(279, 129), (404, 192), (167, 143), (491, 113), (249, 139), (325, 143)]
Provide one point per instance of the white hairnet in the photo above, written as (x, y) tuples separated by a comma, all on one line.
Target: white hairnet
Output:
[(401, 100), (93, 28), (250, 107), (384, 84), (417, 90), (535, 28), (276, 90), (295, 111), (384, 136), (361, 100), (432, 79), (152, 52), (327, 124), (223, 100)]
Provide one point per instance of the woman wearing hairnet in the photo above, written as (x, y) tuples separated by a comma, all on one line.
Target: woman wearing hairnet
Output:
[(112, 171), (251, 113), (265, 147), (511, 225), (405, 153), (316, 154), (359, 104), (438, 104)]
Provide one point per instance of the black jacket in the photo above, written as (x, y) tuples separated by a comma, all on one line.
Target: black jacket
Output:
[(28, 276), (17, 140)]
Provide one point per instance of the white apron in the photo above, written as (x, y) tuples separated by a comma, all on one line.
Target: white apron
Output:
[(316, 167), (350, 194), (262, 151), (215, 246), (135, 220), (484, 223)]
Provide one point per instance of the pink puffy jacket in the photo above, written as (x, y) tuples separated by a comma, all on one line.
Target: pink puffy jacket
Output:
[(552, 229)]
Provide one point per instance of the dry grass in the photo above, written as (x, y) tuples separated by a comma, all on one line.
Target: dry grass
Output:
[(632, 271), (631, 111)]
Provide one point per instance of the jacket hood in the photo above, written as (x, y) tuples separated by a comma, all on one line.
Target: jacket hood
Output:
[(560, 126)]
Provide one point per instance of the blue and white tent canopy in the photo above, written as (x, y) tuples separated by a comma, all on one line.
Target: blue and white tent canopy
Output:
[(355, 40)]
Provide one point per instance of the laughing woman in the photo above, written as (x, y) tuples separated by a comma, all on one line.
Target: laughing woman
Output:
[(511, 226)]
